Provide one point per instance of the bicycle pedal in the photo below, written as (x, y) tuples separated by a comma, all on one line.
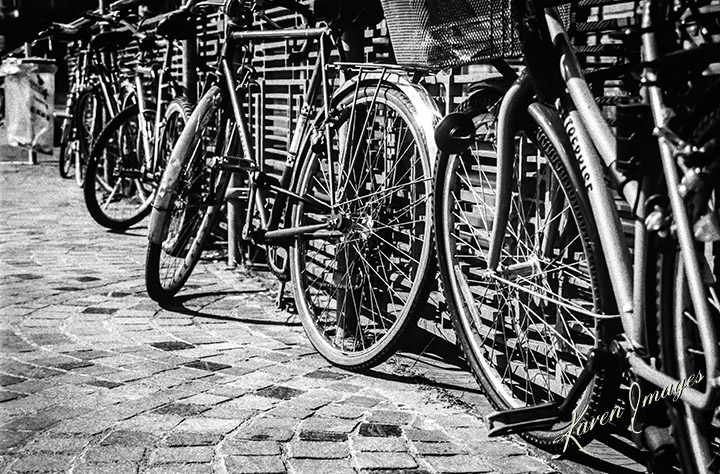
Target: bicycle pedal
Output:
[(523, 419)]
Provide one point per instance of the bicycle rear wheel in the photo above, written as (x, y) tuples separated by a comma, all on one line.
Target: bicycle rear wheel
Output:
[(190, 196), (696, 433), (525, 328), (359, 285)]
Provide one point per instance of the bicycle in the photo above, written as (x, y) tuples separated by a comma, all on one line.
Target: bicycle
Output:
[(348, 221), (129, 155), (97, 93), (550, 307)]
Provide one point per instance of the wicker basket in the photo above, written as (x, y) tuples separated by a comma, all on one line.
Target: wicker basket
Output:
[(448, 33)]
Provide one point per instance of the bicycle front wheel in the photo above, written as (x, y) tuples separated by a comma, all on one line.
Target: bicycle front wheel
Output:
[(117, 188), (189, 199), (360, 283), (527, 327)]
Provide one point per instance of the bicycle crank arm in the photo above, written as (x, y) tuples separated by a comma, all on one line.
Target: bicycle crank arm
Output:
[(544, 415)]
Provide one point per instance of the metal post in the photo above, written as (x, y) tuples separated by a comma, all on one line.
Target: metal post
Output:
[(190, 76), (189, 59), (101, 6)]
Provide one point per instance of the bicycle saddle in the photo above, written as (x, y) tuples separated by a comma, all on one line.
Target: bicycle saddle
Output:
[(179, 25), (110, 41)]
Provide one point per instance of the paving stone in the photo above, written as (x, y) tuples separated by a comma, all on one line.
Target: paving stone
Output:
[(181, 409), (114, 454), (319, 450), (322, 466), (322, 436), (107, 468), (325, 375), (341, 411), (379, 444), (377, 460), (255, 465), (105, 384), (12, 439), (496, 448), (187, 438), (380, 430), (432, 436), (225, 411), (185, 454), (6, 396), (98, 310), (391, 417), (329, 425), (6, 380), (460, 464), (43, 463), (56, 444), (366, 402), (439, 449), (242, 447), (278, 391), (521, 465), (394, 471), (129, 438), (195, 468)]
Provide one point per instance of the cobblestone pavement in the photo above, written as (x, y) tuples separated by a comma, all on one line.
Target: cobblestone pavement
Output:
[(97, 378)]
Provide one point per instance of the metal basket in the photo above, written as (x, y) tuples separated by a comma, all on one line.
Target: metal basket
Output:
[(449, 33)]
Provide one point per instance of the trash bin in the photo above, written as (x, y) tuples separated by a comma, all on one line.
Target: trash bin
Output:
[(29, 102)]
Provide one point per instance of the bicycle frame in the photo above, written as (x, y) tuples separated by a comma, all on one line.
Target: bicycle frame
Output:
[(318, 84), (591, 142)]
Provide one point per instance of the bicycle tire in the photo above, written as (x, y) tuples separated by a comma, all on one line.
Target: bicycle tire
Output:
[(389, 213), (187, 204), (494, 322), (65, 163), (696, 434), (116, 192)]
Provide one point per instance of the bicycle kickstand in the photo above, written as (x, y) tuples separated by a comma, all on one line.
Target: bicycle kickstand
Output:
[(280, 298)]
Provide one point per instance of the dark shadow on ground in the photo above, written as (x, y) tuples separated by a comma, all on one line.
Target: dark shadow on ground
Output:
[(180, 304)]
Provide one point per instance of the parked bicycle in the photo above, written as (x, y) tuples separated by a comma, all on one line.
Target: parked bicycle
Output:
[(130, 154), (98, 91), (348, 220), (551, 306)]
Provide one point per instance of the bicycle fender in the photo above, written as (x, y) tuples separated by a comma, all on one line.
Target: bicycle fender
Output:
[(158, 226), (427, 112)]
